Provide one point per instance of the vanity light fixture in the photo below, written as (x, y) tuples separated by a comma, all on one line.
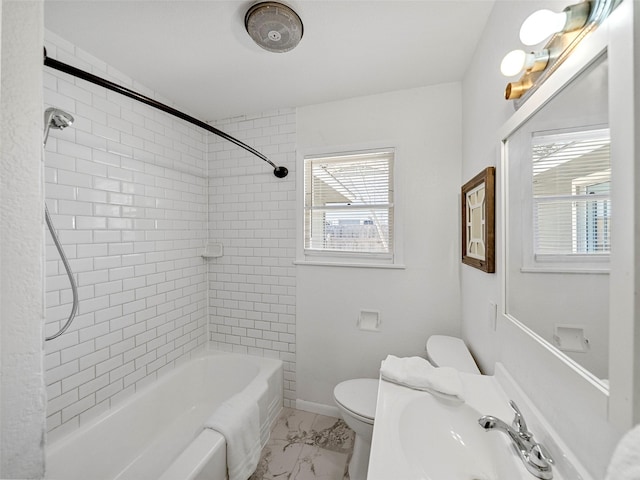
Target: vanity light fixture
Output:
[(542, 24), (562, 32)]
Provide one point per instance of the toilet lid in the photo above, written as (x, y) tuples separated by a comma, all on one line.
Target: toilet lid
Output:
[(445, 351), (358, 395)]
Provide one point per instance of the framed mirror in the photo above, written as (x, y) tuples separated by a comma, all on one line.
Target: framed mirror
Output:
[(558, 220)]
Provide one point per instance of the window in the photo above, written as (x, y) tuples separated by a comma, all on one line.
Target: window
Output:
[(571, 194), (348, 206)]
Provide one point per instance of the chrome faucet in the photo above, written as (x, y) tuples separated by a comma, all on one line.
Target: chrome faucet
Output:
[(534, 456)]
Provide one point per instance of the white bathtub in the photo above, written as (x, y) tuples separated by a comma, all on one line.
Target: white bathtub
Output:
[(158, 433)]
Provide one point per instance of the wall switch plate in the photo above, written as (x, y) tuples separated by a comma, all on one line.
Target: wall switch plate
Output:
[(493, 316)]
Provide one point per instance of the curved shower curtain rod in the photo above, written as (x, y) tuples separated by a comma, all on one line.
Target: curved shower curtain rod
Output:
[(278, 171)]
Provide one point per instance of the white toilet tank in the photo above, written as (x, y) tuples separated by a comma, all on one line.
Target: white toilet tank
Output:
[(445, 351)]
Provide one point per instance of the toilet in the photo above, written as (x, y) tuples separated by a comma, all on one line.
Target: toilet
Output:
[(356, 398)]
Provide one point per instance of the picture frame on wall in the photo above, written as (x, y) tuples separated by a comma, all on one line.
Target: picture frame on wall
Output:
[(478, 220)]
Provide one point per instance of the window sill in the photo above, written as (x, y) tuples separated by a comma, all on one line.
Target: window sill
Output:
[(577, 263), (389, 266), (566, 269)]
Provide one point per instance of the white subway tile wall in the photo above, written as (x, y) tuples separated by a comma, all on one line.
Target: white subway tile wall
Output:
[(127, 190), (252, 287)]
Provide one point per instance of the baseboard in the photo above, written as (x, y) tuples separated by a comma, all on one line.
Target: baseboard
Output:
[(320, 408)]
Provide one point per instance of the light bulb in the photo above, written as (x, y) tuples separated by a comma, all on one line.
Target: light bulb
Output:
[(513, 63), (541, 25), (517, 61)]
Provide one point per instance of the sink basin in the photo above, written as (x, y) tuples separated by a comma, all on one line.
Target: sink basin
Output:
[(418, 436), (441, 440)]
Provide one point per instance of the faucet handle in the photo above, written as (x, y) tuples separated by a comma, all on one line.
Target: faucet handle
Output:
[(540, 457), (519, 422)]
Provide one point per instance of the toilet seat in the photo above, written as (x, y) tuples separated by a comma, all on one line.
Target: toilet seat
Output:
[(358, 396)]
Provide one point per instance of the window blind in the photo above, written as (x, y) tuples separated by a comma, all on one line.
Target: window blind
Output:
[(349, 203), (571, 193)]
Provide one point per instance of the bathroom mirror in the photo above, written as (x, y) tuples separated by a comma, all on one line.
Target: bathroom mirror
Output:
[(557, 182)]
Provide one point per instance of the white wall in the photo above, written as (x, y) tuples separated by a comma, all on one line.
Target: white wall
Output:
[(560, 395), (126, 186), (417, 301), (22, 399)]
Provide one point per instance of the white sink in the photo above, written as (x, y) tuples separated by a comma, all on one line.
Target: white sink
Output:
[(440, 440), (417, 436)]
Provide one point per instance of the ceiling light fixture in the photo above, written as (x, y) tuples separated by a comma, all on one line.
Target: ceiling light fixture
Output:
[(274, 26)]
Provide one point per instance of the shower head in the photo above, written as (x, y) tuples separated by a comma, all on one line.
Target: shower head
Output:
[(55, 118)]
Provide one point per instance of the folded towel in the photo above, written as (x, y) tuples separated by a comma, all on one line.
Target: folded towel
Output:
[(238, 420), (258, 391), (419, 374), (625, 462)]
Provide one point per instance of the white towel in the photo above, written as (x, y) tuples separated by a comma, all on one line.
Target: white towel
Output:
[(238, 420), (258, 391), (625, 462), (419, 374)]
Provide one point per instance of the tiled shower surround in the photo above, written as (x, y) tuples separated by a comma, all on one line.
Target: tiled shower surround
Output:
[(252, 213), (135, 194)]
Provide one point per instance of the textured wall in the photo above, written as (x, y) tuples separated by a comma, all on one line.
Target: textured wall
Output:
[(22, 399), (126, 187)]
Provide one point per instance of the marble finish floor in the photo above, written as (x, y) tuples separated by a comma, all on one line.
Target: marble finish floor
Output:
[(306, 446)]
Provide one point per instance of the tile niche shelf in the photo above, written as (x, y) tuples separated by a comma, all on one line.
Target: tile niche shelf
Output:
[(213, 250)]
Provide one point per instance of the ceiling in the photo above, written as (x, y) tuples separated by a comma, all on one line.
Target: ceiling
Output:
[(198, 55)]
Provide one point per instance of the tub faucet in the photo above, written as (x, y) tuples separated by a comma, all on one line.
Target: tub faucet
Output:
[(534, 456)]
